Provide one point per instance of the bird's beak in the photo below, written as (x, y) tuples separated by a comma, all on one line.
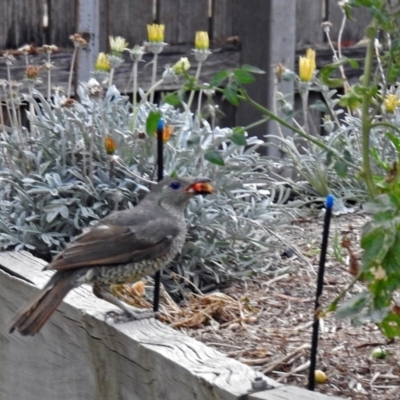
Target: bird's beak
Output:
[(200, 186)]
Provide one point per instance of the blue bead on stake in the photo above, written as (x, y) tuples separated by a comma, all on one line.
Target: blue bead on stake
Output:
[(320, 284), (160, 175)]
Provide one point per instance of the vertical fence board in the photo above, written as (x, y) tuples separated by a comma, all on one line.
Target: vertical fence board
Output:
[(129, 19), (183, 18), (193, 16), (169, 16), (222, 19), (61, 22), (353, 30), (308, 22), (21, 22), (267, 38)]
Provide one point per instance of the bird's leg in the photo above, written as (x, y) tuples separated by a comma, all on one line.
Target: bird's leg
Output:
[(130, 315)]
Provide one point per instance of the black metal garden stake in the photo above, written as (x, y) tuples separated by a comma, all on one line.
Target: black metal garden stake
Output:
[(320, 283), (160, 175)]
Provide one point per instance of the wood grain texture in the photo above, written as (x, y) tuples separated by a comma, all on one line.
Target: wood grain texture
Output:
[(79, 355), (129, 19), (223, 57), (222, 19), (61, 15), (21, 22), (183, 18), (308, 22), (290, 393)]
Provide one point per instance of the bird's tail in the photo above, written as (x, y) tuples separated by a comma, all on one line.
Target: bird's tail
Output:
[(31, 317)]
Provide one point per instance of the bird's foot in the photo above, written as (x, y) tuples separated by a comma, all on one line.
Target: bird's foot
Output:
[(129, 315)]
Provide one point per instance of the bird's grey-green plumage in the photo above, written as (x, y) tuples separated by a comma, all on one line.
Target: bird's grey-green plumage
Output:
[(122, 248)]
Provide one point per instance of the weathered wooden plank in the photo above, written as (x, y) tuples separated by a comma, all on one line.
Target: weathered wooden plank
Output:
[(61, 14), (21, 22), (183, 18), (275, 23), (222, 19), (129, 19), (290, 393), (354, 30), (78, 355), (223, 58), (308, 22)]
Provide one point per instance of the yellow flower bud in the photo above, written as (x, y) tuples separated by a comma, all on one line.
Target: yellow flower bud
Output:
[(102, 63), (201, 42), (391, 102), (307, 66), (181, 66), (155, 32)]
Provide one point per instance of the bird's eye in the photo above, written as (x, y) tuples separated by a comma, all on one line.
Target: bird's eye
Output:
[(175, 185)]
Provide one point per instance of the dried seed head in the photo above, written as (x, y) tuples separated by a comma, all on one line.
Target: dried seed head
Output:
[(32, 71), (25, 50), (78, 40), (50, 48), (68, 103)]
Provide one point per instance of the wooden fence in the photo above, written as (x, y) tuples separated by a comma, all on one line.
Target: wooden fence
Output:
[(82, 354), (256, 32)]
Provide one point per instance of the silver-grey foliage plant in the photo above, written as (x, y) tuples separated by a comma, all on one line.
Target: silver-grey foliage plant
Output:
[(57, 178)]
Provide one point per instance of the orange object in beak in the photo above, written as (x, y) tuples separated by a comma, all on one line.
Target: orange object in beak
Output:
[(201, 187)]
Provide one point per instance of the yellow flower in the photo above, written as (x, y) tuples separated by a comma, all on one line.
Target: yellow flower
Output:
[(201, 42), (310, 54), (391, 102), (181, 66), (155, 32), (117, 45), (110, 145), (102, 63), (307, 66)]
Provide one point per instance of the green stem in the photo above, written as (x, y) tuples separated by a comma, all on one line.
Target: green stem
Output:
[(301, 132), (365, 118)]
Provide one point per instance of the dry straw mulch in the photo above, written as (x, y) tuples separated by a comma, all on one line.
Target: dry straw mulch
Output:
[(266, 322)]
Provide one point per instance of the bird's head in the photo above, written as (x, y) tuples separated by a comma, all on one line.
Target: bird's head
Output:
[(176, 192)]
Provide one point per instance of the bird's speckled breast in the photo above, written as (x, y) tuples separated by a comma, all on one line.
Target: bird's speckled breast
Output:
[(132, 272)]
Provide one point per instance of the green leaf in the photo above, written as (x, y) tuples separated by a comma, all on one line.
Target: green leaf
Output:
[(252, 69), (219, 78), (231, 95), (243, 76), (354, 306), (152, 122), (395, 141), (341, 168), (172, 99), (239, 139), (319, 106), (214, 157), (391, 325), (377, 238)]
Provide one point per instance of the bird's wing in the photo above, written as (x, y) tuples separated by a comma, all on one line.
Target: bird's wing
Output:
[(107, 244)]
